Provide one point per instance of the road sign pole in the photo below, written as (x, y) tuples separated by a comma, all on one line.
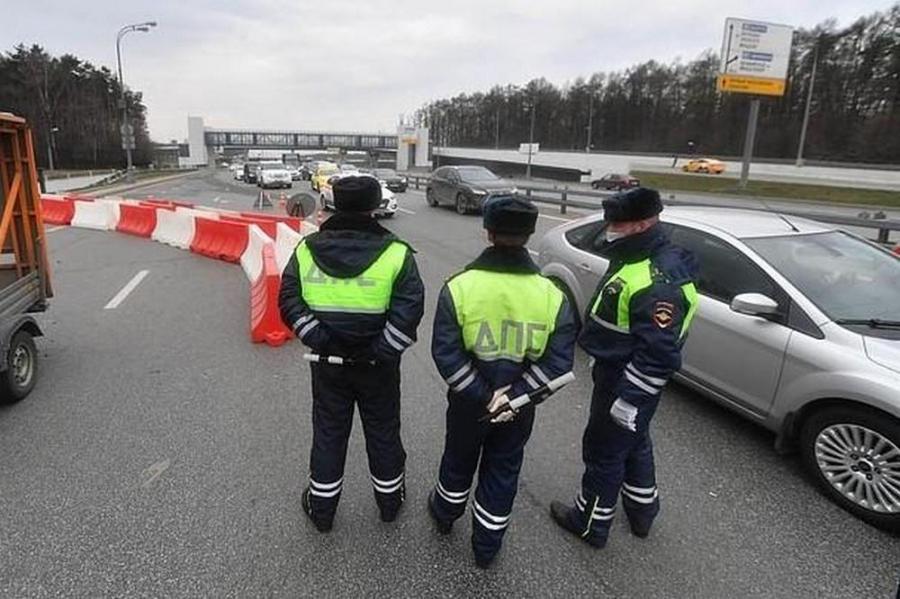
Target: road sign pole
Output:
[(749, 140)]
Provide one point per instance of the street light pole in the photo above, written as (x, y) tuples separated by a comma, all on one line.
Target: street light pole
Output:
[(809, 95), (127, 130), (530, 142), (590, 125)]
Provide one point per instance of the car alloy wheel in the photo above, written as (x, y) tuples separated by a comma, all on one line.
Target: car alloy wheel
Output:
[(861, 465), (461, 204)]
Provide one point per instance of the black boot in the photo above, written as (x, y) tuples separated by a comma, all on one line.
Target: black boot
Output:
[(483, 563), (389, 507), (323, 524), (562, 515), (444, 527), (639, 530)]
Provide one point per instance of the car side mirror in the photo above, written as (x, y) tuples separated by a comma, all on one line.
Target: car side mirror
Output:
[(754, 304)]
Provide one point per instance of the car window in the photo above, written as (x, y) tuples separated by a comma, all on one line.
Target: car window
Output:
[(724, 271), (453, 176), (441, 173), (847, 278), (584, 237)]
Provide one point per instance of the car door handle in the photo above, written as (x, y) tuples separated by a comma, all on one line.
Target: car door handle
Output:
[(584, 266)]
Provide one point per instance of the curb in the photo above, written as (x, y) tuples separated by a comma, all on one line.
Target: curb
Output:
[(102, 193)]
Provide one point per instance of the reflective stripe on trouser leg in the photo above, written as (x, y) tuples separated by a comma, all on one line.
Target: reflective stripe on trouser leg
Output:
[(593, 517), (605, 447), (640, 497), (378, 397), (332, 417), (462, 446)]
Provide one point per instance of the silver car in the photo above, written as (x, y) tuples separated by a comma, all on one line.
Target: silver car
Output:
[(798, 329)]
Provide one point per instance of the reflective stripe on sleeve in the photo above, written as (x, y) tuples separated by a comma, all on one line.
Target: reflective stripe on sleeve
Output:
[(392, 342), (646, 388), (652, 380), (400, 335)]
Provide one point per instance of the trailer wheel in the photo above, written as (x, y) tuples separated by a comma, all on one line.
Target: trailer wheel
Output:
[(17, 381)]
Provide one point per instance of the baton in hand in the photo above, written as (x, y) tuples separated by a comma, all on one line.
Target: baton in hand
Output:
[(536, 396), (337, 360)]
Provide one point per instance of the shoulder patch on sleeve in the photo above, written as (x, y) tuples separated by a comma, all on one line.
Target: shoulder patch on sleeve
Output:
[(663, 314)]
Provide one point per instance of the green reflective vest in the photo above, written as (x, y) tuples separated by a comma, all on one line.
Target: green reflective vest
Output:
[(505, 315), (367, 293), (633, 278)]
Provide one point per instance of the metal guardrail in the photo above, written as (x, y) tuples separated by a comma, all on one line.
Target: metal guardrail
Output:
[(566, 197)]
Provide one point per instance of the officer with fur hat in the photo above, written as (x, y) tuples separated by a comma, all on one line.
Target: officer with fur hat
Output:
[(635, 328), (353, 290), (501, 329)]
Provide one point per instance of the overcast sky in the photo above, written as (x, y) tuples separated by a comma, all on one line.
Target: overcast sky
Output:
[(348, 65)]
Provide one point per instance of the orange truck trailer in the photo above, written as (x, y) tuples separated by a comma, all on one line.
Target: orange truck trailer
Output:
[(24, 268)]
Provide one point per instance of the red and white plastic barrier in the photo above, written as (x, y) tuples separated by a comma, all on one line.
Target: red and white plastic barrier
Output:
[(137, 220), (267, 226), (265, 317), (251, 259), (57, 210), (102, 216), (286, 242), (220, 239), (897, 249)]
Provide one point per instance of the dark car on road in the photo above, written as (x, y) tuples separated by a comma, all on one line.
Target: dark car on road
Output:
[(250, 173), (616, 182), (466, 188), (391, 179)]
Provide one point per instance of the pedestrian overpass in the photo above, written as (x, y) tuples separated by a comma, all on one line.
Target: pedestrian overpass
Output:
[(408, 148)]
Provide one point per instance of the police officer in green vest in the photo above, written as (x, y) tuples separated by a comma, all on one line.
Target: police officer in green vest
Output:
[(636, 325), (352, 292), (501, 329)]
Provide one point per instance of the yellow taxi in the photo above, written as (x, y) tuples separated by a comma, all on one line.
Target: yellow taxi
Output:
[(704, 165), (323, 172)]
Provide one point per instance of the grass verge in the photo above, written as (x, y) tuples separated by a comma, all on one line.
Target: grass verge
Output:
[(769, 189)]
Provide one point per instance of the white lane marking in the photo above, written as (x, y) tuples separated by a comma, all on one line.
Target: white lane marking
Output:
[(52, 229), (155, 471), (542, 215), (532, 252), (126, 290), (405, 211)]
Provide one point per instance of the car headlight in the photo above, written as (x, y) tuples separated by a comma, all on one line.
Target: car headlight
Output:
[(479, 192), (403, 180), (514, 190)]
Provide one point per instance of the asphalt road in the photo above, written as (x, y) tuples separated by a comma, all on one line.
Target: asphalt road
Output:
[(163, 455)]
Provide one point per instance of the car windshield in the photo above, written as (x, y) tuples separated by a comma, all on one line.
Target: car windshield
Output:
[(273, 166), (384, 172), (848, 279), (328, 170), (477, 174)]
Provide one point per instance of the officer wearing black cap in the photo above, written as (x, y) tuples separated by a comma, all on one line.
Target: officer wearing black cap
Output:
[(501, 329), (635, 328), (352, 290)]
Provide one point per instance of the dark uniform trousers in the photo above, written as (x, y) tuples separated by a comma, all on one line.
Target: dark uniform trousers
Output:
[(616, 460), (376, 390), (500, 449)]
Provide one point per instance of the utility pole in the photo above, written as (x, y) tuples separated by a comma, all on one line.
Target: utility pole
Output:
[(590, 125), (50, 146), (127, 130), (809, 95), (530, 142)]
